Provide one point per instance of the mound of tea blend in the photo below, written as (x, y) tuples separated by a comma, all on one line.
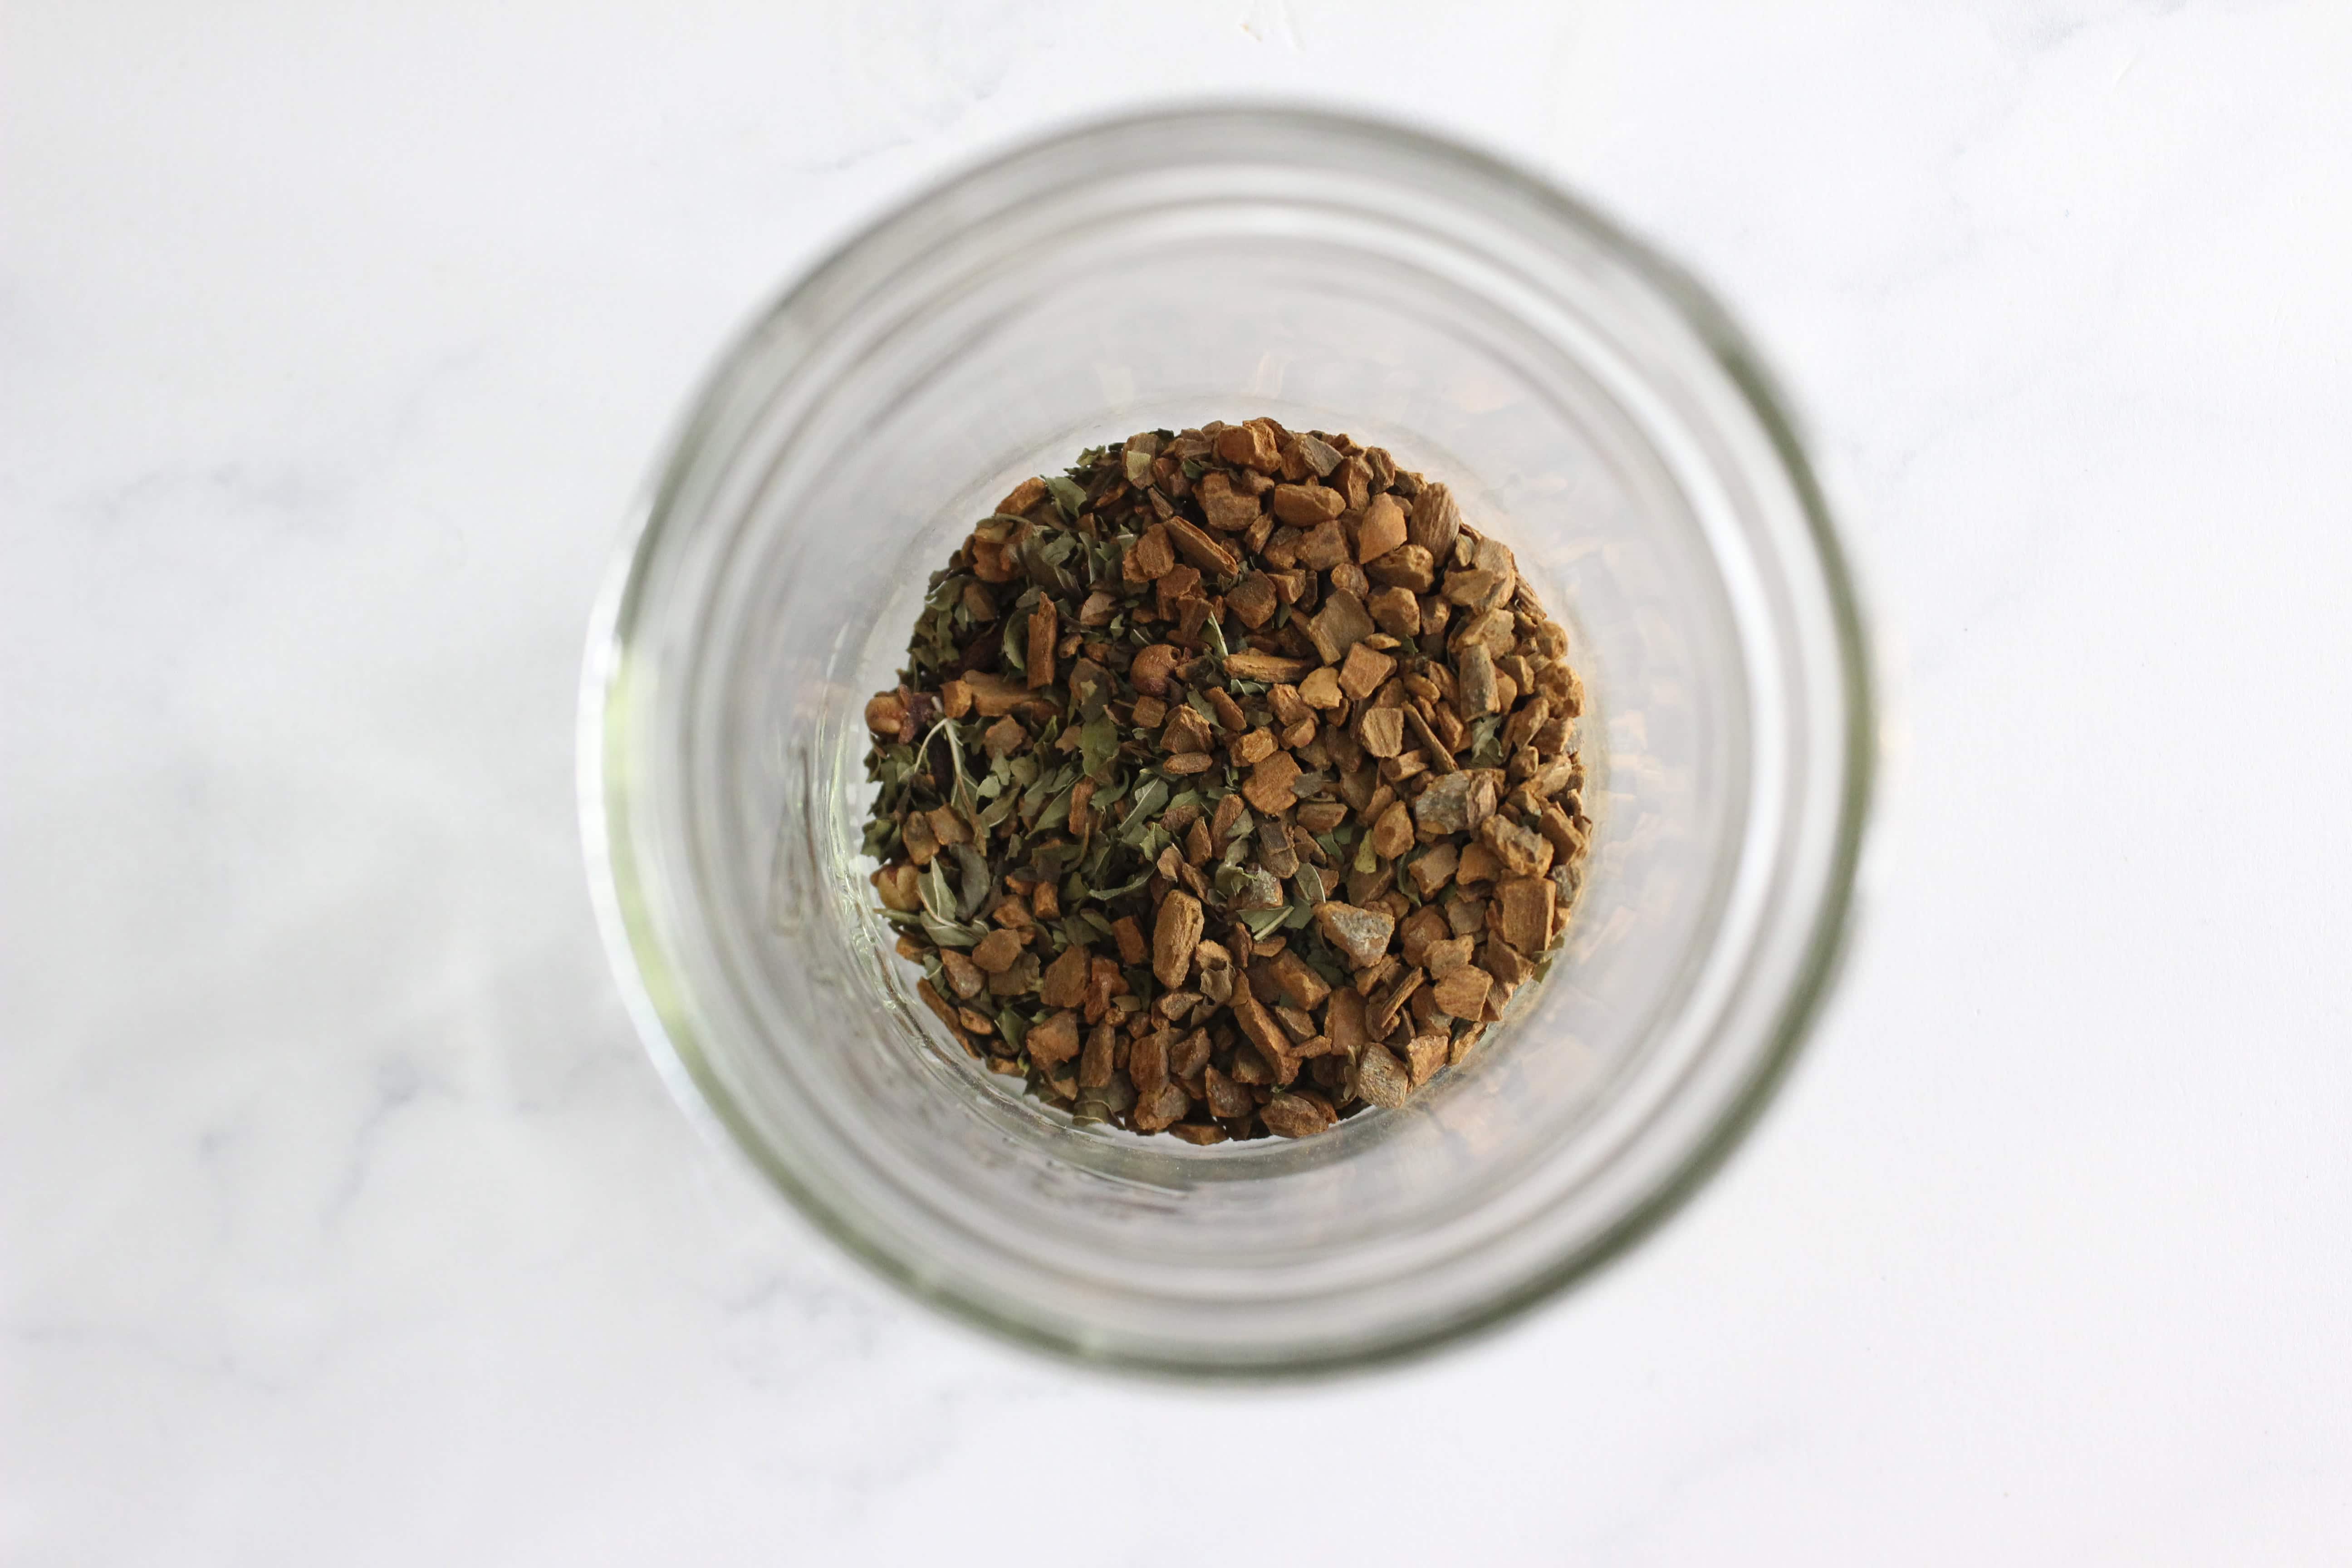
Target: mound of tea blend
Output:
[(1230, 784)]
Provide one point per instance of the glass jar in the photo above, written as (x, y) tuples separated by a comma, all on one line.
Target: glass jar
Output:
[(1585, 403)]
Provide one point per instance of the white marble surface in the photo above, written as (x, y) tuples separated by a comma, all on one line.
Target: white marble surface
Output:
[(342, 1222)]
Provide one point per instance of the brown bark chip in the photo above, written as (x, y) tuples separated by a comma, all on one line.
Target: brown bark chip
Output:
[(1474, 672), (1381, 1079), (1188, 1056), (1341, 624), (1493, 630), (997, 951), (1248, 750), (994, 696), (1201, 549), (941, 1007), (1094, 1066), (1407, 567), (1443, 808), (1254, 600), (1226, 508), (1392, 834), (1044, 631), (1425, 1055), (1186, 730), (1174, 935), (1362, 934), (1396, 612), (1259, 1025), (1299, 983), (1433, 868), (1158, 1111), (1268, 789), (1381, 732), (1250, 445), (1304, 506), (1527, 905), (1324, 549), (1381, 530), (1265, 666), (1343, 1021), (1065, 980), (1443, 958), (1147, 1062), (1435, 522), (1129, 937), (1363, 671), (1381, 1016), (1054, 1041), (1463, 994), (1296, 1116), (1154, 555), (1227, 1098), (1522, 852), (964, 976)]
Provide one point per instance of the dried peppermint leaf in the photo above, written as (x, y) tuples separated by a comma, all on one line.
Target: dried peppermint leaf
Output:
[(1069, 495), (1098, 743), (976, 880), (938, 897)]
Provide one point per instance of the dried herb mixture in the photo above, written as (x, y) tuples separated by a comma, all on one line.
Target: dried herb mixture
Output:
[(1231, 785)]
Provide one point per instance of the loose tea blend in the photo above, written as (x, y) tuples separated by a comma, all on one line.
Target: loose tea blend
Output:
[(1231, 785)]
